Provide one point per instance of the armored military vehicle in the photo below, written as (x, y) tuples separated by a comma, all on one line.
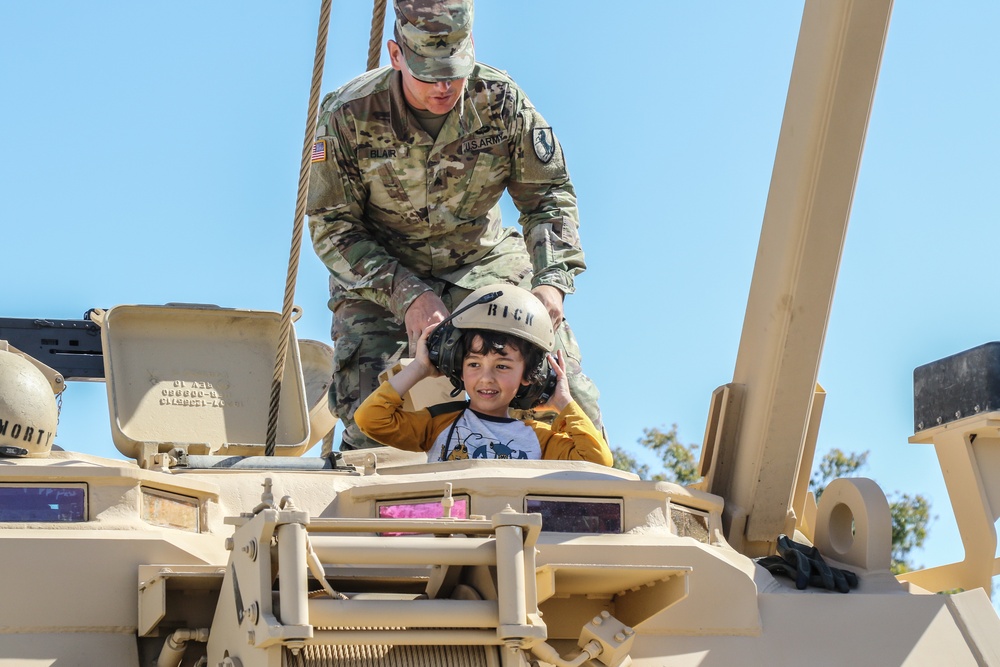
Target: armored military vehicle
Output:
[(215, 541)]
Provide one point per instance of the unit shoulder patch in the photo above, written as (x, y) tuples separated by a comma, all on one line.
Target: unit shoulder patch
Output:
[(544, 143)]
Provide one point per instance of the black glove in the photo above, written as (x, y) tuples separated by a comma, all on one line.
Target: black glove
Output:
[(805, 565)]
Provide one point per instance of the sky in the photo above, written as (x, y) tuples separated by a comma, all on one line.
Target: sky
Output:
[(150, 154)]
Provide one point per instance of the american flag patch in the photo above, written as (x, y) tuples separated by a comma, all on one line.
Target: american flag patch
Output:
[(319, 151)]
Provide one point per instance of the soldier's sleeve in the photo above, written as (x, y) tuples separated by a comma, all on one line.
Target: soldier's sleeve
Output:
[(340, 236), (542, 191)]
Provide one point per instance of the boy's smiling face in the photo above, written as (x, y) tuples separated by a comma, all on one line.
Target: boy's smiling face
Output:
[(492, 377)]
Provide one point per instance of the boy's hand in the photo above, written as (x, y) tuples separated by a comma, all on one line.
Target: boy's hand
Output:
[(418, 369), (560, 396), (423, 356)]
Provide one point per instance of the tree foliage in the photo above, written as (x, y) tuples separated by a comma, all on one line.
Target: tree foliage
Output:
[(678, 462), (911, 515), (625, 461), (834, 464), (910, 518)]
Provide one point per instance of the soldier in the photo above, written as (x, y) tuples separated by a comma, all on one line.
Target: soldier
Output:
[(408, 168)]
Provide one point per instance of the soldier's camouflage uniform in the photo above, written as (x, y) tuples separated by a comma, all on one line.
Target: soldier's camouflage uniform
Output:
[(394, 213)]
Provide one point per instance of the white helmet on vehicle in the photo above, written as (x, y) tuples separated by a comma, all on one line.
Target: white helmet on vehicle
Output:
[(28, 412)]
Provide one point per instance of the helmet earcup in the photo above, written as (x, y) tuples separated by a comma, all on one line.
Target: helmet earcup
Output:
[(536, 393), (447, 352)]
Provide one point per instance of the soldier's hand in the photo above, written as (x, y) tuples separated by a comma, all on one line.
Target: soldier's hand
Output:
[(552, 298), (426, 309)]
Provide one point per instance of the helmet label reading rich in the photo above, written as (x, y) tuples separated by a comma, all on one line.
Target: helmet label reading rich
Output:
[(517, 314)]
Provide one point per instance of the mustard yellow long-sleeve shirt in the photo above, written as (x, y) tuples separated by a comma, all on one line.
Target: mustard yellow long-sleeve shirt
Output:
[(572, 436)]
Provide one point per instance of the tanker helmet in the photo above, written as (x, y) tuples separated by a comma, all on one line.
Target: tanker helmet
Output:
[(28, 413), (506, 309), (515, 311)]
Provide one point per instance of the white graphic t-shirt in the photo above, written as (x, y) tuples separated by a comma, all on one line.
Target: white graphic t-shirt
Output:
[(477, 436)]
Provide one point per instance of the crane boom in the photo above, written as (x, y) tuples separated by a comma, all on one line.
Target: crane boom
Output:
[(757, 457)]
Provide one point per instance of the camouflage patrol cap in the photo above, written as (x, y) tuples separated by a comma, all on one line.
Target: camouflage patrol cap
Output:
[(436, 38)]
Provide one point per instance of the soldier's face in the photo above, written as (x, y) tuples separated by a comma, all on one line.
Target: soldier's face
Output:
[(438, 97)]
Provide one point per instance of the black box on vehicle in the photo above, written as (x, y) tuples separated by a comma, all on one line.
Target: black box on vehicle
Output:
[(70, 347), (958, 386)]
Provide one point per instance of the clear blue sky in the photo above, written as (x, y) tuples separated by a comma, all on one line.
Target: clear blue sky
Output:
[(150, 154)]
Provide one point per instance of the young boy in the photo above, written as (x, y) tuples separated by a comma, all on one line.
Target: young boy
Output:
[(504, 340)]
